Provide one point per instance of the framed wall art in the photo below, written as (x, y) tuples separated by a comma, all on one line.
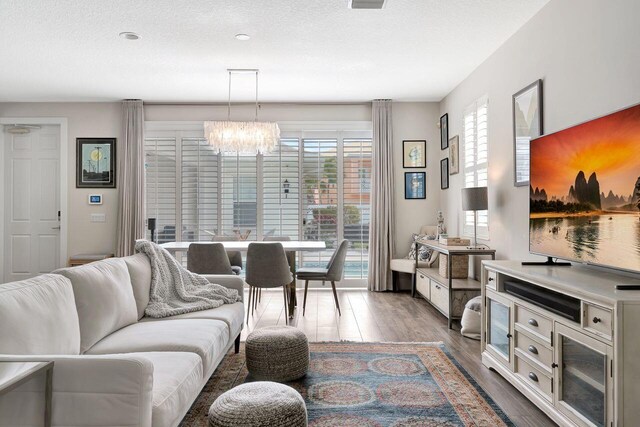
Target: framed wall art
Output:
[(95, 162), (414, 154), (415, 185), (444, 173), (444, 131), (527, 125), (454, 155)]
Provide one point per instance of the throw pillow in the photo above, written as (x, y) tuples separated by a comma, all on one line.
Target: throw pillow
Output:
[(424, 253)]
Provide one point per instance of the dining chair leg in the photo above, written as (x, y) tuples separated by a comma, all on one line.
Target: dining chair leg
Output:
[(335, 296), (255, 298), (304, 303), (286, 307), (249, 302), (260, 295)]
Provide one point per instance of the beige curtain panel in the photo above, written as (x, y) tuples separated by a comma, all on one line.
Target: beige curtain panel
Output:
[(131, 195), (382, 184)]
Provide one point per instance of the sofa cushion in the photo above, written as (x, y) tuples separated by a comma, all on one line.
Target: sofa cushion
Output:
[(231, 314), (206, 338), (140, 272), (38, 316), (104, 298), (177, 380)]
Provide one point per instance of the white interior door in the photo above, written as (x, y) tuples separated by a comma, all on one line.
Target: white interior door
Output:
[(31, 203)]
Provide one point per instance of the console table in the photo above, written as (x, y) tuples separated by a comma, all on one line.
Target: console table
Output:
[(566, 339), (448, 295)]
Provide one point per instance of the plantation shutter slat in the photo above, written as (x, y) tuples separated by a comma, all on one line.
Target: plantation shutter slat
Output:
[(160, 175)]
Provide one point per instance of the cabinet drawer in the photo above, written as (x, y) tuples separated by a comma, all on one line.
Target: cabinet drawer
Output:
[(539, 325), (492, 280), (534, 377), (598, 319), (422, 284), (535, 350), (440, 297)]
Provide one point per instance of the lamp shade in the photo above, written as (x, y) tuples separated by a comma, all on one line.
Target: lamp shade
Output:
[(474, 199)]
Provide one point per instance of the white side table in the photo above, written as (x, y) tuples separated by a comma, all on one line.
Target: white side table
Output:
[(14, 374)]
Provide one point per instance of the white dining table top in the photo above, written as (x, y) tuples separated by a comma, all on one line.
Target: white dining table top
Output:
[(243, 245)]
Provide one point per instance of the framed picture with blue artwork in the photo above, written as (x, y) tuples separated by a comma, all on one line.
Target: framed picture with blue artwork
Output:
[(415, 185)]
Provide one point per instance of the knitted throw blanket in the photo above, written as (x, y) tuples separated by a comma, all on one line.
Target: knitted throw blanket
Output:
[(175, 290)]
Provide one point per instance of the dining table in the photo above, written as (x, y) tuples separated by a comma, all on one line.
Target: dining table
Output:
[(242, 246)]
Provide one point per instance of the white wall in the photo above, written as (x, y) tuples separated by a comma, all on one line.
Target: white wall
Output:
[(415, 121), (587, 53), (411, 121)]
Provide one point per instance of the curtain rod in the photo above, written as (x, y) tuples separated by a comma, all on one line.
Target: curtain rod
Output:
[(223, 104)]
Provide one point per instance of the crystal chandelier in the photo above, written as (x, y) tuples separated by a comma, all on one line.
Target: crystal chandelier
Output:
[(242, 137)]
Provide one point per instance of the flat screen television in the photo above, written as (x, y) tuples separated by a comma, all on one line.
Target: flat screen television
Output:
[(584, 194)]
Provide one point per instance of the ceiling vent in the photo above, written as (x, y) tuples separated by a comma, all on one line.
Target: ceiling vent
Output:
[(366, 4)]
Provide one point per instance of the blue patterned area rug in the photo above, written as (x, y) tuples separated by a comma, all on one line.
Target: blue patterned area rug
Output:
[(373, 385)]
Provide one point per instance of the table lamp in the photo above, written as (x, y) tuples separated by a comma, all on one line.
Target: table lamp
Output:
[(475, 199)]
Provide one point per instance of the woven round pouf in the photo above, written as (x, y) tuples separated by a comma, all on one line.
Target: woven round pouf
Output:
[(277, 353), (259, 404)]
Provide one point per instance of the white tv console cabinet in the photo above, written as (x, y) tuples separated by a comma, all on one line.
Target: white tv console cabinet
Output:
[(580, 373)]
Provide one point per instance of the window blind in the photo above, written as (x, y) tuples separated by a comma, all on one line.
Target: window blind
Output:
[(160, 175), (319, 194), (239, 197), (281, 190), (356, 207), (199, 184), (476, 155)]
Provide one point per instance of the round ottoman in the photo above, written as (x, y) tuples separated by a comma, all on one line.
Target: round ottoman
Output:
[(277, 353), (472, 318), (259, 404)]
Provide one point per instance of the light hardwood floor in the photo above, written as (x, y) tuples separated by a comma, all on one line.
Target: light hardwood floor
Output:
[(392, 317)]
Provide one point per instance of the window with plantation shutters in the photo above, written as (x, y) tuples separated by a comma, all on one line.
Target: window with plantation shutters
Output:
[(281, 190), (161, 190), (476, 166), (199, 185), (314, 185), (356, 173), (319, 195), (239, 196)]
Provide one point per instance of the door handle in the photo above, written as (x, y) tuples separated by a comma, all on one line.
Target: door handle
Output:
[(55, 228)]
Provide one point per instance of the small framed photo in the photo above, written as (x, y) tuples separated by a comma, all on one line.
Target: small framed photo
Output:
[(415, 185), (95, 162), (444, 131), (454, 155), (527, 125), (414, 154), (444, 173)]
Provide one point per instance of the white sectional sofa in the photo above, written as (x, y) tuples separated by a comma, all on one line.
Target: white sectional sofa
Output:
[(113, 366)]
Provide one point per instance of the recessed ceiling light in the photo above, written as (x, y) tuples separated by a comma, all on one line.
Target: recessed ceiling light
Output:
[(243, 37), (129, 35)]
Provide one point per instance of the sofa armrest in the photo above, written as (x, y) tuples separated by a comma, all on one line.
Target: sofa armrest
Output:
[(87, 391), (230, 281)]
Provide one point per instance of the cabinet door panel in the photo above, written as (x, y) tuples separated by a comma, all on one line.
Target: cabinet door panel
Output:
[(498, 334), (584, 378)]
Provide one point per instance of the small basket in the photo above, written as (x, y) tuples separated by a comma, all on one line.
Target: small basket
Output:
[(459, 266)]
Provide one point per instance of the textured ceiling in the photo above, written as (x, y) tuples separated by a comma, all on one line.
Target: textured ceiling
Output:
[(306, 50)]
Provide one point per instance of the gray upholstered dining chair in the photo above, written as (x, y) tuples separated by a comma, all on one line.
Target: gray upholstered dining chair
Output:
[(267, 267), (208, 258), (332, 273), (291, 255), (235, 257)]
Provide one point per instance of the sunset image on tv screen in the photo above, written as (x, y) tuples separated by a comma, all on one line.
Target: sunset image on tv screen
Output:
[(584, 192)]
